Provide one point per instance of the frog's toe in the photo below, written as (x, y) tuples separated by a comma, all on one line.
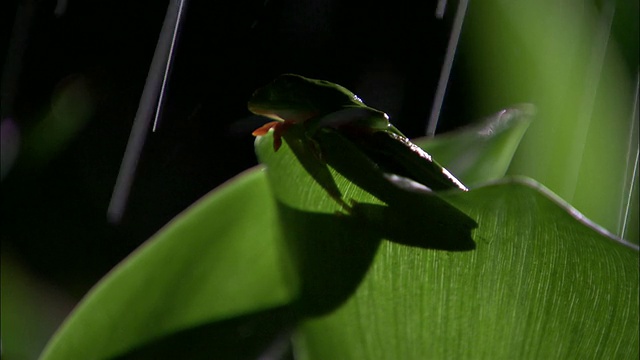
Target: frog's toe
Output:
[(264, 129)]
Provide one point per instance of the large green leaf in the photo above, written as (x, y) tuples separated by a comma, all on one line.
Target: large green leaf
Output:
[(542, 281), (540, 284), (375, 270), (216, 261)]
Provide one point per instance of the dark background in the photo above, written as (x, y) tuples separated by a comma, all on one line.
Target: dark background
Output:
[(54, 212)]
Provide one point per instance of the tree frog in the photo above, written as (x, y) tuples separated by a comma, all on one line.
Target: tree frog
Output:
[(294, 100)]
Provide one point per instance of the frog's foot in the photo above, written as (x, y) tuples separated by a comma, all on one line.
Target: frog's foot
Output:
[(278, 130), (264, 129)]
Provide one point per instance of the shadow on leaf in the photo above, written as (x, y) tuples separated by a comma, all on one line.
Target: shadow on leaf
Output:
[(332, 252)]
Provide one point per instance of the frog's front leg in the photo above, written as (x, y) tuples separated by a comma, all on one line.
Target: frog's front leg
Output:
[(279, 128)]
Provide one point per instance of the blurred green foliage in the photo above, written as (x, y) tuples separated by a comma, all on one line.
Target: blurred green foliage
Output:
[(562, 57)]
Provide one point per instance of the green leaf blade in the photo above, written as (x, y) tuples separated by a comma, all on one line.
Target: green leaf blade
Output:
[(218, 260), (546, 287), (497, 138), (542, 282)]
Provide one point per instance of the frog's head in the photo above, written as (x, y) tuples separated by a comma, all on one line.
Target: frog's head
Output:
[(295, 98)]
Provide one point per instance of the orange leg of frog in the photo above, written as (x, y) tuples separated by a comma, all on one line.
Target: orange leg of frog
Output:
[(279, 127)]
